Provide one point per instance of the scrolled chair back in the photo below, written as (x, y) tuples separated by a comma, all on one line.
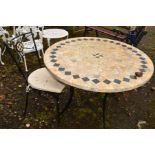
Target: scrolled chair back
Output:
[(26, 29), (3, 32)]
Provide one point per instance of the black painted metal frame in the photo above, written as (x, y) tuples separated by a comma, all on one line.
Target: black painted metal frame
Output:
[(57, 96)]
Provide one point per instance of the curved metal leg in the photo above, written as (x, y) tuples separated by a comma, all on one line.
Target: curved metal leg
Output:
[(42, 52), (1, 57), (25, 63), (104, 109), (58, 113), (27, 97), (39, 53), (48, 42), (4, 50), (69, 101)]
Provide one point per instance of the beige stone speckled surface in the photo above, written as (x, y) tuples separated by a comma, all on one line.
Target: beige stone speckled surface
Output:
[(98, 64)]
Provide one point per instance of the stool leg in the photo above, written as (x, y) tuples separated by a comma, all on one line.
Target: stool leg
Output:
[(48, 41)]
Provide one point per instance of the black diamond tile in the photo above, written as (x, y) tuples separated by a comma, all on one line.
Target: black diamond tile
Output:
[(67, 73), (142, 70), (56, 65), (61, 69), (133, 77), (118, 43), (53, 56), (98, 57), (91, 38), (79, 39), (142, 58), (58, 46), (62, 44), (143, 62), (55, 49), (126, 79), (76, 76), (138, 54), (144, 66), (96, 81), (85, 79), (98, 39), (53, 52), (53, 60), (67, 42), (111, 41), (124, 45), (117, 81), (107, 81), (105, 40), (85, 39), (73, 40), (129, 48), (134, 51)]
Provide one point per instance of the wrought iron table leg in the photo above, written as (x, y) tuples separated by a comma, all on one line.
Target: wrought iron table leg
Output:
[(26, 104), (104, 109), (58, 113), (69, 101)]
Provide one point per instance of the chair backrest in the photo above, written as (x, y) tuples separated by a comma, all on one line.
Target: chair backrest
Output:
[(25, 29), (29, 33), (9, 50), (3, 32), (18, 48)]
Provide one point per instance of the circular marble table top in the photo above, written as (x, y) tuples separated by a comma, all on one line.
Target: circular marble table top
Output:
[(54, 33), (98, 64)]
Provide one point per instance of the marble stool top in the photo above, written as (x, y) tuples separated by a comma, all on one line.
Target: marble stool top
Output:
[(54, 33), (98, 64)]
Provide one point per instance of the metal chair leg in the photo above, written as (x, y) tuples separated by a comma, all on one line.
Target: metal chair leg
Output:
[(48, 42), (4, 50), (104, 110), (25, 63), (1, 57), (39, 53), (27, 97), (42, 52)]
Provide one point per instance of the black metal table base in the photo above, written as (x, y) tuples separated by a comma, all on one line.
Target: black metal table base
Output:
[(104, 110), (60, 113)]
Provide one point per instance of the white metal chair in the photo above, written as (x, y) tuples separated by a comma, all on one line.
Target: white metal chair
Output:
[(1, 57), (29, 45), (3, 34)]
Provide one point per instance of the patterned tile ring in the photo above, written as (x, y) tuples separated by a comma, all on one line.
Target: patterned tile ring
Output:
[(98, 64)]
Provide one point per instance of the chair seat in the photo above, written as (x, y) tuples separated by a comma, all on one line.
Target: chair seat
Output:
[(29, 46), (41, 79)]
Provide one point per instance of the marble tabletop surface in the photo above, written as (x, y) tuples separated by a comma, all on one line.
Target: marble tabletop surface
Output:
[(54, 33), (98, 64)]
